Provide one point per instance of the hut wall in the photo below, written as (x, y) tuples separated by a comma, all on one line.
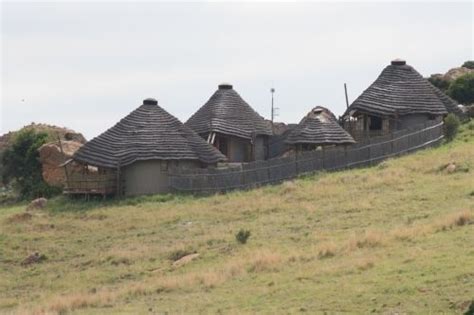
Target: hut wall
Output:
[(239, 150), (151, 176), (409, 121), (260, 147)]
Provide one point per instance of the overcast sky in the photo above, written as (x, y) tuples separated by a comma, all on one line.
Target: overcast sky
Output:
[(86, 65)]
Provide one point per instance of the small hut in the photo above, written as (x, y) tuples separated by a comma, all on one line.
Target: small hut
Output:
[(319, 128), (232, 126), (135, 156), (400, 98)]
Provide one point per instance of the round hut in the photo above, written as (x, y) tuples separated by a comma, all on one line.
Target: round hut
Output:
[(400, 98), (319, 128), (135, 156), (232, 126)]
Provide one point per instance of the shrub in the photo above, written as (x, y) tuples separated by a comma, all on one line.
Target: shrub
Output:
[(462, 89), (242, 236), (451, 126), (469, 64), (439, 82), (22, 168)]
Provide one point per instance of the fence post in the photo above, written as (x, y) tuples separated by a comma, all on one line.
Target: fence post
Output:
[(324, 157), (346, 162), (370, 151)]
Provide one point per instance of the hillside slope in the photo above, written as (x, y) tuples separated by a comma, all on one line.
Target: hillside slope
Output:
[(394, 238)]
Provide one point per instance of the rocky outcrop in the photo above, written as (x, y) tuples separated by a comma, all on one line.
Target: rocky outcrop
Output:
[(52, 157), (453, 74)]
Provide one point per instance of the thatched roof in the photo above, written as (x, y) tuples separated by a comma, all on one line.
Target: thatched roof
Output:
[(149, 132), (227, 113), (399, 90), (319, 127), (450, 104)]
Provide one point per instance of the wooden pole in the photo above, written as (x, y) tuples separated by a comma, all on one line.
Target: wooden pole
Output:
[(65, 165), (118, 181), (347, 98)]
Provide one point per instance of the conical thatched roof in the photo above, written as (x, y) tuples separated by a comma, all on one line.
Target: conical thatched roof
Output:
[(319, 127), (147, 133), (226, 112), (450, 104), (400, 90)]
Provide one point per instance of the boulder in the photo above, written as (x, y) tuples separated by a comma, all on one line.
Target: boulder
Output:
[(451, 168), (185, 260), (52, 159), (36, 204)]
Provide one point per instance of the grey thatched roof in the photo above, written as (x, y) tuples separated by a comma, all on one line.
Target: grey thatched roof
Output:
[(319, 127), (400, 90), (450, 104), (149, 132), (226, 112)]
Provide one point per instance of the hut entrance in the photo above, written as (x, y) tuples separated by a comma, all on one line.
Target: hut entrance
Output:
[(223, 145), (375, 123)]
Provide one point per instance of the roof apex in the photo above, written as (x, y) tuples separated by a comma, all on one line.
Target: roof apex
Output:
[(398, 62)]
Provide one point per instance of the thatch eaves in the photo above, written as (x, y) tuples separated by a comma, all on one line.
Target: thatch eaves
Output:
[(147, 133), (399, 90), (319, 127), (227, 113)]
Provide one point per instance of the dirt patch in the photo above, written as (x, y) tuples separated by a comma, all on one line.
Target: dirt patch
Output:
[(33, 259), (19, 217)]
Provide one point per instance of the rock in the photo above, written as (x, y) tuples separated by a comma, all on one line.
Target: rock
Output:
[(451, 168), (39, 203), (185, 260), (52, 158), (33, 259)]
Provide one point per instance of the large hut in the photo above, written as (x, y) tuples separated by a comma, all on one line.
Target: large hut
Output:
[(135, 156), (400, 98), (232, 126), (319, 128)]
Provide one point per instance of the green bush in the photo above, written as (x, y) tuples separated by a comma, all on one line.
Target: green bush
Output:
[(469, 64), (451, 126), (440, 83), (22, 168), (242, 236), (462, 89)]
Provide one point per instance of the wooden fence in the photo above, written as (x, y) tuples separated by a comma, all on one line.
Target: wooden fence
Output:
[(83, 184), (365, 152)]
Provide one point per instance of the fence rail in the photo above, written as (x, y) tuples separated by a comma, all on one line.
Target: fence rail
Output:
[(274, 170)]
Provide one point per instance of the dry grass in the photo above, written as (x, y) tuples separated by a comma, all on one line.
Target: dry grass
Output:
[(406, 220), (327, 250), (456, 219), (265, 261), (368, 239)]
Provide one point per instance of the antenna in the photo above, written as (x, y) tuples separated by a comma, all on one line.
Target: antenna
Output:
[(274, 112)]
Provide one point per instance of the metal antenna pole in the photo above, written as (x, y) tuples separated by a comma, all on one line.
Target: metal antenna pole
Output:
[(272, 90)]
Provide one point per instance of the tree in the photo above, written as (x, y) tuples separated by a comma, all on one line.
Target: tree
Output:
[(468, 64), (21, 165), (462, 89), (439, 82)]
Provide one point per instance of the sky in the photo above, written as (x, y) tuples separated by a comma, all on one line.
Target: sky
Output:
[(85, 65)]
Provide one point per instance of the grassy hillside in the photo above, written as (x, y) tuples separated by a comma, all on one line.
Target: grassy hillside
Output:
[(393, 238)]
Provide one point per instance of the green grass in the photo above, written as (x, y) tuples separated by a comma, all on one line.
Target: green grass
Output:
[(393, 238)]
